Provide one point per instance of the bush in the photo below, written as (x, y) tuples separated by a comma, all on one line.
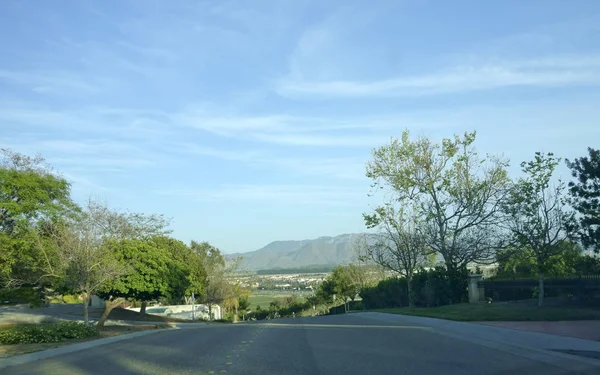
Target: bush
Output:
[(71, 299), (21, 295), (45, 333), (435, 287), (388, 293)]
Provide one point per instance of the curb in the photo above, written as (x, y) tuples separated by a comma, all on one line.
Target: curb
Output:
[(49, 353)]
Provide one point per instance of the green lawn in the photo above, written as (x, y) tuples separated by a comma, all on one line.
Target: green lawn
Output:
[(498, 312), (264, 299)]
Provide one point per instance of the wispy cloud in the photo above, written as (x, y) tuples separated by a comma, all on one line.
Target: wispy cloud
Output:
[(89, 156), (562, 71), (56, 82), (282, 194), (85, 185), (284, 129)]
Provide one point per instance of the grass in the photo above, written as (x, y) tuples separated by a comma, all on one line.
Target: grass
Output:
[(497, 312), (264, 299)]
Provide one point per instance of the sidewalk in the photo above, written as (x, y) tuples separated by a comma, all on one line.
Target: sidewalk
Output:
[(565, 352), (582, 329)]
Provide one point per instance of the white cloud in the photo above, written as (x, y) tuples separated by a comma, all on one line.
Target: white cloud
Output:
[(562, 71)]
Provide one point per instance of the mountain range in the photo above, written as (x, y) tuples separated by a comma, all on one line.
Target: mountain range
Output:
[(322, 251)]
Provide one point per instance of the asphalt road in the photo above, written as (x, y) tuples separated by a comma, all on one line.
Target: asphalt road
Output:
[(351, 344)]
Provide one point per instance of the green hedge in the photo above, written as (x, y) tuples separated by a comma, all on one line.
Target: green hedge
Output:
[(44, 333), (434, 287), (21, 295)]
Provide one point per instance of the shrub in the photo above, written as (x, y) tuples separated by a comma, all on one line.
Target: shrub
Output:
[(435, 287), (71, 299), (45, 333), (21, 295), (388, 293)]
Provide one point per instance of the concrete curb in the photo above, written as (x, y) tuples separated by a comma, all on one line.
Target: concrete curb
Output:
[(32, 357)]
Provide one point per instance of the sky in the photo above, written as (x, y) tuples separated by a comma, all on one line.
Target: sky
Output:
[(251, 121)]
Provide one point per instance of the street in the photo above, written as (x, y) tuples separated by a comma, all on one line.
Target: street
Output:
[(348, 344)]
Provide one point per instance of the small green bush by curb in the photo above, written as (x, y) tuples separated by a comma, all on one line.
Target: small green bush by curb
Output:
[(45, 333)]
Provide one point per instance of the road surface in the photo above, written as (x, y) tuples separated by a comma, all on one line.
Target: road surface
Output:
[(351, 344)]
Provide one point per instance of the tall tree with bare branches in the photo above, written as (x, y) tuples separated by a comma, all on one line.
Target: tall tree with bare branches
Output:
[(537, 215), (399, 244), (454, 191)]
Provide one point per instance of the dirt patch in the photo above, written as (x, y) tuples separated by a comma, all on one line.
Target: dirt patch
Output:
[(108, 331)]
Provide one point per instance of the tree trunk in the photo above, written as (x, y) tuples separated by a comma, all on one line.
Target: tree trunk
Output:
[(210, 314), (143, 308), (411, 300), (540, 288), (235, 316), (86, 305), (108, 307)]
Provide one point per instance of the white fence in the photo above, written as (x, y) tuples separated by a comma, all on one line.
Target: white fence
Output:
[(183, 311)]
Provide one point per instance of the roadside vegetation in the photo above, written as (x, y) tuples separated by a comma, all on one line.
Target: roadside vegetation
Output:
[(54, 250), (110, 331), (446, 201), (46, 333), (440, 201)]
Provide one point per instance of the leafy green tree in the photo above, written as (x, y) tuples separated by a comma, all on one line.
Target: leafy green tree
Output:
[(219, 284), (147, 276), (187, 271), (325, 291), (344, 282), (536, 215), (585, 197), (399, 246), (454, 191), (32, 196), (568, 261)]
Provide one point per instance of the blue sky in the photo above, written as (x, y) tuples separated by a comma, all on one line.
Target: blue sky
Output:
[(251, 121)]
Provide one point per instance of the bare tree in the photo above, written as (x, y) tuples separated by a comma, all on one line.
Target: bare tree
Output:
[(86, 262), (399, 246), (536, 214), (457, 193)]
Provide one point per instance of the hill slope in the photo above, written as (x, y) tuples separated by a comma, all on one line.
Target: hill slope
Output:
[(291, 254)]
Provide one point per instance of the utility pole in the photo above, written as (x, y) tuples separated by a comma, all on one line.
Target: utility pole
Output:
[(193, 308)]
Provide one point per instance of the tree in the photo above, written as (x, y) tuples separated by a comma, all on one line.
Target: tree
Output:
[(345, 282), (219, 287), (454, 191), (126, 225), (187, 270), (399, 246), (536, 215), (521, 262), (32, 196), (87, 253), (585, 197), (86, 261), (148, 275)]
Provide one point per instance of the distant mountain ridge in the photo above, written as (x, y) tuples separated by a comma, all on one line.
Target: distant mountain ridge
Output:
[(321, 251)]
